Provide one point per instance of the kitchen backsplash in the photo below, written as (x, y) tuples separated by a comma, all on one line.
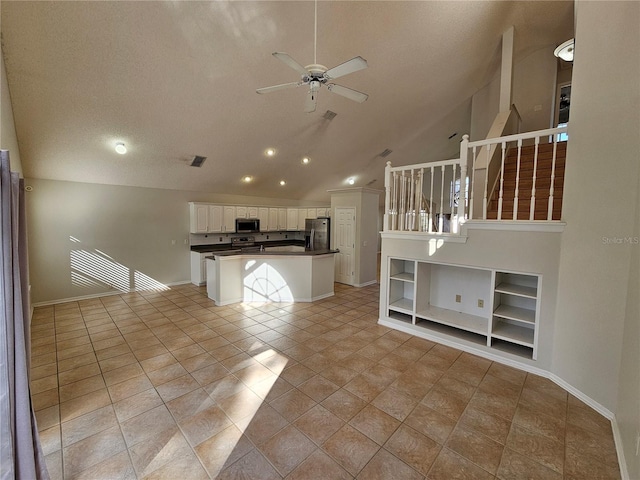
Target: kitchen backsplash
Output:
[(221, 238)]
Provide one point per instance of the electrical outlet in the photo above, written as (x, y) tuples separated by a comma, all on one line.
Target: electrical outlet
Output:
[(220, 239), (480, 303), (458, 298)]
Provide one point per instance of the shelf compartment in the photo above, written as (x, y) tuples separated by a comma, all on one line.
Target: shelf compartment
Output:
[(403, 276), (399, 316), (516, 313), (513, 333), (402, 305), (519, 290), (512, 348), (431, 326), (451, 318)]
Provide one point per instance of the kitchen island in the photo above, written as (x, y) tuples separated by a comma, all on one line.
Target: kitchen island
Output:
[(274, 275)]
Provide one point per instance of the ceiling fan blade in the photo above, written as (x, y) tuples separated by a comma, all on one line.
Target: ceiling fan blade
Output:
[(310, 102), (350, 66), (279, 87), (285, 58), (349, 93)]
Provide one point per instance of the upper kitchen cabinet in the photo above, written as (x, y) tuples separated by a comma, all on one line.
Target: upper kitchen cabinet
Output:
[(242, 212), (199, 216), (229, 219), (302, 216), (265, 219), (207, 218), (292, 219)]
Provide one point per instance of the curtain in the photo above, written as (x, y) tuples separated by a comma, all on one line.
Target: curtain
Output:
[(21, 454)]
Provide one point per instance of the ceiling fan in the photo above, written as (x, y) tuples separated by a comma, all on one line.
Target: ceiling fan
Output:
[(315, 75)]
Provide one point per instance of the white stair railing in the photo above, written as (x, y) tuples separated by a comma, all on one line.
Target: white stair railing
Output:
[(410, 197), (518, 141)]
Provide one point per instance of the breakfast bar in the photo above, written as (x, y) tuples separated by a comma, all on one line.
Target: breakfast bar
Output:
[(277, 274)]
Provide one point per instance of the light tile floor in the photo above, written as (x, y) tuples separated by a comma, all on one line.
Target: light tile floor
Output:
[(165, 385)]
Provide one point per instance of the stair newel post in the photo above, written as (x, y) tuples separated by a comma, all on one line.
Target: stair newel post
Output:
[(532, 208), (454, 208), (394, 203), (431, 204), (462, 199), (420, 197), (486, 182), (517, 190), (412, 216), (441, 219), (401, 209), (553, 178), (387, 197), (501, 193)]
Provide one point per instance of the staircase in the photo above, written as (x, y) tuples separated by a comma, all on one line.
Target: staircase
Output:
[(543, 182)]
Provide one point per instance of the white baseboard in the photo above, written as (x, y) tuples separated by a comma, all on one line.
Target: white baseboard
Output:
[(617, 439), (366, 284), (97, 295)]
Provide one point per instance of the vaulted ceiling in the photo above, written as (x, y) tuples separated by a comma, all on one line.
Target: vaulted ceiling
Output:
[(177, 79)]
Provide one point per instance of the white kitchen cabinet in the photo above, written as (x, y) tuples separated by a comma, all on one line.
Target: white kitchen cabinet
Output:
[(199, 217), (229, 219), (292, 219), (282, 219), (252, 212), (198, 268), (215, 218), (302, 216), (312, 213), (242, 212), (273, 220), (263, 216)]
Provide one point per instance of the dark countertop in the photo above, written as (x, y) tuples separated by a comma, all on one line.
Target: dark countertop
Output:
[(306, 253), (227, 246)]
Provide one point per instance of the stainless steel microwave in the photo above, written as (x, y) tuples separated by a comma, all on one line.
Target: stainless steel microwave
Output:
[(247, 225)]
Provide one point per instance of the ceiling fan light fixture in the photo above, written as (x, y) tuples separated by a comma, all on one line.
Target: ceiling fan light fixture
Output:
[(565, 50), (121, 148)]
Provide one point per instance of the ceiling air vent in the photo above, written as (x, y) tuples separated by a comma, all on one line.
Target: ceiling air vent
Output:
[(385, 153), (198, 161), (329, 115)]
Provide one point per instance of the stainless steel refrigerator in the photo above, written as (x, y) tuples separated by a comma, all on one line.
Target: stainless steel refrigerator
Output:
[(317, 233)]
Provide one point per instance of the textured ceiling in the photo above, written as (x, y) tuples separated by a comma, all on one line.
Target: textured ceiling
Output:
[(177, 79)]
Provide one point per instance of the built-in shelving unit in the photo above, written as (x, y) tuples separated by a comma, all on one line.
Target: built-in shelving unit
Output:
[(492, 308)]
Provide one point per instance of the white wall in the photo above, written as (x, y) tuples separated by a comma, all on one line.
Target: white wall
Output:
[(534, 83), (602, 169), (8, 138), (87, 239), (628, 408)]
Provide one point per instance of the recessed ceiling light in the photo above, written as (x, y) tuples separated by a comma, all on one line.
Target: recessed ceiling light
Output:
[(247, 178), (270, 152), (351, 181), (121, 148), (283, 183), (306, 160)]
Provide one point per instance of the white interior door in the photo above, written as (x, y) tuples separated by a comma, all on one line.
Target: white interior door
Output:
[(345, 239)]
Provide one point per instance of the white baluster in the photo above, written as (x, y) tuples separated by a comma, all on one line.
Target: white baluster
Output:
[(412, 218), (532, 208), (473, 182), (396, 192), (387, 197), (504, 150), (553, 178), (420, 194), (486, 181), (517, 191)]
